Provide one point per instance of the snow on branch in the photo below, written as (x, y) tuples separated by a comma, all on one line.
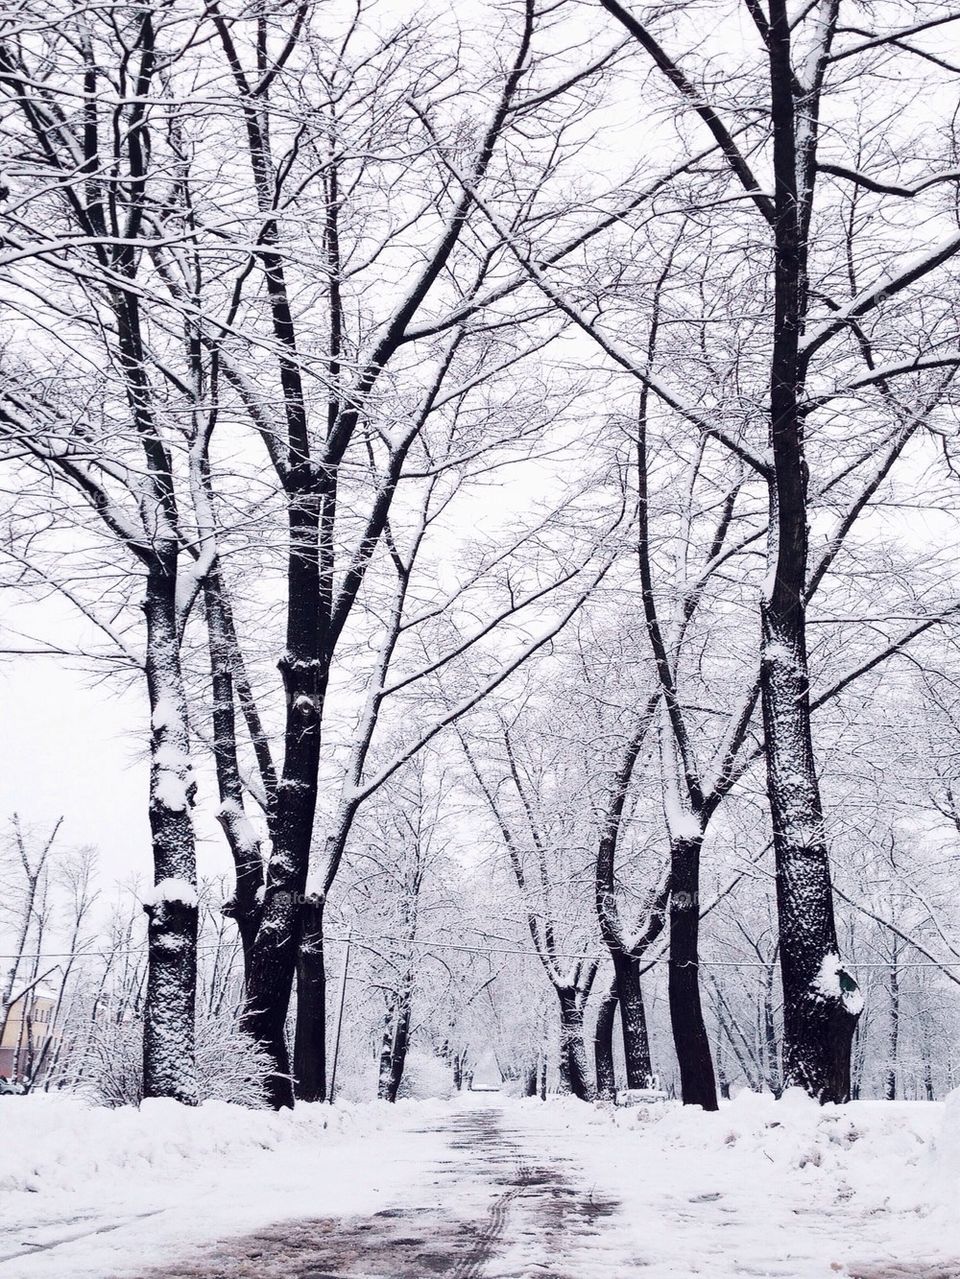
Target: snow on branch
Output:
[(888, 188), (612, 349), (869, 299)]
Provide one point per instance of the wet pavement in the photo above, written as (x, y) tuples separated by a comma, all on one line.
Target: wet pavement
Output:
[(486, 1211)]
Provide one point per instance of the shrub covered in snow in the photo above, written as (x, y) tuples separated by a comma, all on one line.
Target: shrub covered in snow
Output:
[(426, 1076), (513, 1088), (230, 1066)]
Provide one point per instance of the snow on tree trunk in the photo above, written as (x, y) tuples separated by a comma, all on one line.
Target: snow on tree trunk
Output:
[(926, 1053), (603, 1045), (770, 1045), (393, 1052), (573, 1055), (169, 1064), (274, 956), (859, 1060), (633, 1020), (309, 1050), (269, 985), (723, 1082), (821, 1002), (244, 904), (893, 1031), (697, 1083)]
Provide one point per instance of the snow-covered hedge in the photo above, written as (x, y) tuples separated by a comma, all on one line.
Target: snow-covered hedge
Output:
[(230, 1066)]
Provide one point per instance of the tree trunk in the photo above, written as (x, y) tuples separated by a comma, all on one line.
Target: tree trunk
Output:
[(821, 1002), (633, 1020), (385, 1071), (530, 1078), (274, 956), (893, 1036), (859, 1061), (697, 1084), (393, 1054), (269, 985), (169, 1064), (925, 1049), (772, 1050), (573, 1055), (310, 1042), (603, 1045), (723, 1083), (244, 903), (928, 1089)]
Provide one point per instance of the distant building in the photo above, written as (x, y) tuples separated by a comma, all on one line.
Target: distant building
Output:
[(28, 1034)]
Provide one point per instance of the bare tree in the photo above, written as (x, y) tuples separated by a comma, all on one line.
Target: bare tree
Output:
[(535, 831), (821, 1000)]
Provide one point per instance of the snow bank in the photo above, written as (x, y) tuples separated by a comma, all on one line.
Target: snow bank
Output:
[(778, 1188), (881, 1154), (947, 1145), (88, 1192), (834, 1188), (54, 1141), (902, 1156)]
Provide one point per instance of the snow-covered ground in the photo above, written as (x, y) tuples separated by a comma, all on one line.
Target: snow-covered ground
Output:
[(497, 1187), (776, 1188)]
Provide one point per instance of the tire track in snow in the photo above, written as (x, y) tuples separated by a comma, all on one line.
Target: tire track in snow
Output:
[(29, 1249), (499, 1197), (474, 1263)]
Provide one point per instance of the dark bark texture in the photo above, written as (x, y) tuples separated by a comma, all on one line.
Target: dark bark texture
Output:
[(820, 999), (573, 1056), (244, 904), (697, 1082), (603, 1046), (309, 1050), (633, 1020), (393, 1052)]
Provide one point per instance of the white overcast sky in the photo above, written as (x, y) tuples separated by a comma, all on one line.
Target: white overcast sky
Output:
[(75, 746)]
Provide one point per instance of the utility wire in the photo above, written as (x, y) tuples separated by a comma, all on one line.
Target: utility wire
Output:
[(399, 944)]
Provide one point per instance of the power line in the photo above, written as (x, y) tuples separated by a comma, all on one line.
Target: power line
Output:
[(398, 945), (704, 963)]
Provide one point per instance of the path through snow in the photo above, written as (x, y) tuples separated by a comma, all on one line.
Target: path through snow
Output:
[(492, 1189), (492, 1206)]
